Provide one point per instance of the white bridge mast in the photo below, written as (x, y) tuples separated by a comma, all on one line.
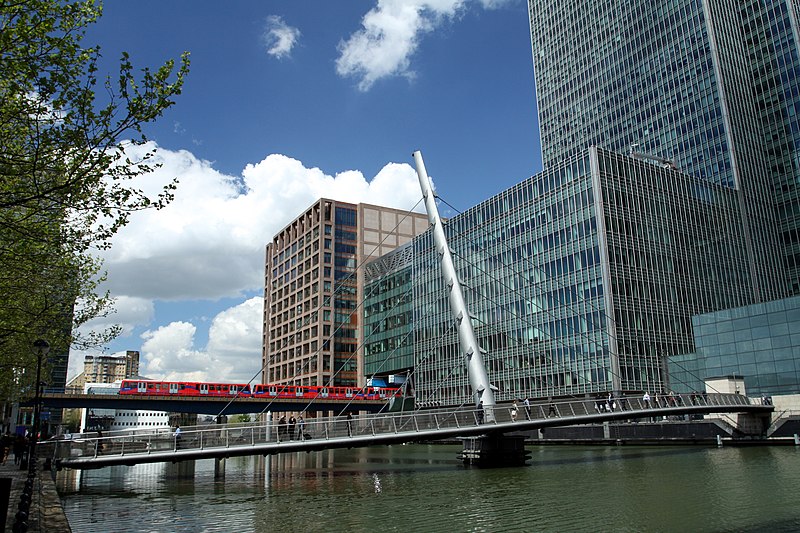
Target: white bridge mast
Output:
[(482, 390)]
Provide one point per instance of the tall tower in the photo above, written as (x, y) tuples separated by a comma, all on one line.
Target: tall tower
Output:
[(674, 80), (314, 285)]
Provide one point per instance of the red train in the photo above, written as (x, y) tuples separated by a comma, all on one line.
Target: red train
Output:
[(259, 390)]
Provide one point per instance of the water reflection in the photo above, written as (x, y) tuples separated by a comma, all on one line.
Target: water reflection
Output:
[(424, 488)]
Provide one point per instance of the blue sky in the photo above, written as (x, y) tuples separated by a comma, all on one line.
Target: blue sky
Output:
[(288, 101)]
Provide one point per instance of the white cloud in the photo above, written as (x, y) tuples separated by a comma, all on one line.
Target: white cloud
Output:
[(130, 311), (209, 244), (389, 36), (235, 340), (278, 37), (497, 4), (168, 352), (233, 353)]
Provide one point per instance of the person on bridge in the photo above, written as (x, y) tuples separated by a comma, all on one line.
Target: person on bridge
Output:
[(177, 436), (646, 400), (282, 427), (301, 425), (349, 424), (292, 424), (527, 404), (514, 411), (551, 410)]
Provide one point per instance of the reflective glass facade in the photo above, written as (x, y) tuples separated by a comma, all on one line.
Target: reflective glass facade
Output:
[(668, 80), (759, 342), (389, 314), (314, 288), (775, 67), (581, 279)]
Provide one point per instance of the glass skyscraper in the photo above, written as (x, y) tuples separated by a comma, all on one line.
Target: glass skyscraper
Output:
[(775, 66), (708, 85), (671, 189), (581, 279)]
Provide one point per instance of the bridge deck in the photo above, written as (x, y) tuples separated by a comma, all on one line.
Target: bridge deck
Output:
[(368, 430)]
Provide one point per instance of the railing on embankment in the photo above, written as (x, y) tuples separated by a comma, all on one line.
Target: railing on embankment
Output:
[(93, 451)]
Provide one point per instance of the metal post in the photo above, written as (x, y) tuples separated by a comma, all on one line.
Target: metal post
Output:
[(478, 378), (40, 348)]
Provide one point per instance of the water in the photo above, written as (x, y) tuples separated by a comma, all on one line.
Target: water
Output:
[(425, 488)]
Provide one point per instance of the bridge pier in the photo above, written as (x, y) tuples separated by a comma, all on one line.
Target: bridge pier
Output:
[(494, 450), (219, 468)]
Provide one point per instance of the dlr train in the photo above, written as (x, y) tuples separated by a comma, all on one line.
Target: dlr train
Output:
[(259, 390)]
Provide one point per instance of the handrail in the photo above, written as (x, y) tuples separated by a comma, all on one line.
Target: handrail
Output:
[(373, 426)]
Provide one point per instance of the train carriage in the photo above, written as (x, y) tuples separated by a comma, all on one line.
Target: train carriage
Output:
[(259, 390)]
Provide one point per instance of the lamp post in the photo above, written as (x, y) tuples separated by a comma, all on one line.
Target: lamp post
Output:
[(40, 347)]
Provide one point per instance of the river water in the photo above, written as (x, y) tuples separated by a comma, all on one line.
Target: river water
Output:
[(425, 488)]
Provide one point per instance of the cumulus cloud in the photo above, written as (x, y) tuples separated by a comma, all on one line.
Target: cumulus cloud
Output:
[(497, 4), (130, 311), (169, 350), (232, 353), (279, 38), (208, 244), (235, 340), (389, 36)]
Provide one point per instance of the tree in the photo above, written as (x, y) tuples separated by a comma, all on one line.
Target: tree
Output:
[(66, 170)]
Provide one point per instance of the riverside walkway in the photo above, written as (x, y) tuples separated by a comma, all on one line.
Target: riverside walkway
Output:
[(214, 441), (45, 514)]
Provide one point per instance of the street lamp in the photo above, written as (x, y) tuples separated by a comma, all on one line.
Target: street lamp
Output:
[(40, 347)]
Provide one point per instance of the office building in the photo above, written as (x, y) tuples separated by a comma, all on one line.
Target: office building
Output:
[(581, 279), (105, 369), (388, 319), (603, 259), (707, 87), (314, 285)]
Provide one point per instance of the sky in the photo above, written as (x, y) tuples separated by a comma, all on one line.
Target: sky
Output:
[(288, 101)]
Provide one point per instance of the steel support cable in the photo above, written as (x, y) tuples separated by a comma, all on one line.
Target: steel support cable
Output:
[(545, 311), (396, 304), (411, 330), (557, 364), (358, 306), (363, 342), (556, 282), (307, 321), (405, 337), (523, 319), (430, 352), (326, 302), (526, 321), (525, 279)]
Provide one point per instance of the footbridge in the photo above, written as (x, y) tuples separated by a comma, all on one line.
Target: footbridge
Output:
[(216, 441)]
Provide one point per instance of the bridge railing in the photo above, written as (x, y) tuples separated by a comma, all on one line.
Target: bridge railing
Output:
[(369, 425)]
